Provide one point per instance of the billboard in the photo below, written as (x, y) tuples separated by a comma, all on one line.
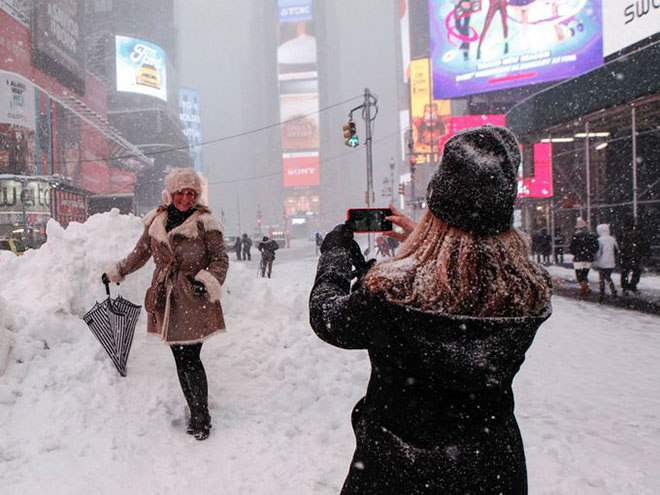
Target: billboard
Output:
[(191, 123), (296, 52), (625, 22), (300, 121), (479, 46), (428, 117), (57, 41), (540, 185), (301, 169), (141, 67), (16, 101)]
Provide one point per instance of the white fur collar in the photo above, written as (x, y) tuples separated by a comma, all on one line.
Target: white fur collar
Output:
[(157, 222)]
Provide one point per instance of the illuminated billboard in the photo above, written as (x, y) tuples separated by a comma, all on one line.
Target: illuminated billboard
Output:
[(191, 123), (429, 117), (141, 67), (57, 41), (479, 46), (301, 169), (300, 121), (540, 185)]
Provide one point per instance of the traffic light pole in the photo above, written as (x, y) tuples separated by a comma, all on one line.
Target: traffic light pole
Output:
[(352, 141), (370, 168)]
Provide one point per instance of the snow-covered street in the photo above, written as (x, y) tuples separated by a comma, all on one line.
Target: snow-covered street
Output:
[(588, 395)]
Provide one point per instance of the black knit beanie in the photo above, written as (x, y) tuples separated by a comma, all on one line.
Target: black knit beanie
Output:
[(474, 187)]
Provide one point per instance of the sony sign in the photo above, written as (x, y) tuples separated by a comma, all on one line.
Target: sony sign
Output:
[(625, 22)]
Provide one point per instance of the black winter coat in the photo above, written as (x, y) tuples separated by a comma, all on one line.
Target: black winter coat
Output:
[(438, 414), (268, 249), (584, 245)]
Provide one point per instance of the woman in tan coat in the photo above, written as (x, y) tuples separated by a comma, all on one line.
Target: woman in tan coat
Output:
[(183, 301)]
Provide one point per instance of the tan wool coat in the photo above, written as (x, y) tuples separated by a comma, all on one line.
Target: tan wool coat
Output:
[(196, 249)]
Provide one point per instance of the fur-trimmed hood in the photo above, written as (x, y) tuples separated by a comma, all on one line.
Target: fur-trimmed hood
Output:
[(156, 220)]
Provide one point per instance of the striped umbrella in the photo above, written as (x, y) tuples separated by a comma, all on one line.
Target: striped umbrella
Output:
[(113, 323)]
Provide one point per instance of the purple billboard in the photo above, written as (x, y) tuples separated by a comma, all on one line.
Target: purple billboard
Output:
[(487, 45)]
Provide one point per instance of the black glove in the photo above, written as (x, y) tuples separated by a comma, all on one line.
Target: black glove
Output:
[(198, 288), (105, 279)]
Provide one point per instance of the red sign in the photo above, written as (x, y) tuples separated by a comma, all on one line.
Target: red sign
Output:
[(301, 169), (539, 186)]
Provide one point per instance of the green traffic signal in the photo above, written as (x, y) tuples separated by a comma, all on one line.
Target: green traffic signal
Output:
[(353, 141)]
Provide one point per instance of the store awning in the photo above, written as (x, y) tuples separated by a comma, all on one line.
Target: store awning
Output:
[(620, 81)]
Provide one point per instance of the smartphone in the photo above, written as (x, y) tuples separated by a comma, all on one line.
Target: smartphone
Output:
[(370, 219)]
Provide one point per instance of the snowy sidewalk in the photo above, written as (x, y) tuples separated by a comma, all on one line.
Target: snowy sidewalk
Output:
[(646, 301)]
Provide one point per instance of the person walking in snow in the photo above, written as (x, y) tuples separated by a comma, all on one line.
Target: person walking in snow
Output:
[(634, 248), (583, 247), (246, 244), (238, 247), (318, 239), (608, 250), (446, 322), (267, 248), (183, 302)]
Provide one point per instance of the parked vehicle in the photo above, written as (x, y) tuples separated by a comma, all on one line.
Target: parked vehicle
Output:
[(13, 245)]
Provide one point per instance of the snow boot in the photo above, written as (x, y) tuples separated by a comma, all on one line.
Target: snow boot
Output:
[(584, 288), (200, 419)]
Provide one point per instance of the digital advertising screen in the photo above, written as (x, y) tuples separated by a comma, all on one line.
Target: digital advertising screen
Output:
[(429, 117), (479, 46), (540, 185), (301, 169), (300, 121), (141, 67), (191, 123), (57, 38)]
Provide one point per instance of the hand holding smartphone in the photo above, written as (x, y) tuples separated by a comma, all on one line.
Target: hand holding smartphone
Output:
[(370, 219)]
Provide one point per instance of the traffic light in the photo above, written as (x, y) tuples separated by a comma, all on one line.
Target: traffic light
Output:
[(413, 164), (402, 189), (350, 135)]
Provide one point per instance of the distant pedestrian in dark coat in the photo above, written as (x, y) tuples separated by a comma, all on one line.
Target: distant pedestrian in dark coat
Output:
[(318, 239), (267, 248), (238, 247), (545, 246), (246, 244), (634, 248), (447, 322), (583, 247)]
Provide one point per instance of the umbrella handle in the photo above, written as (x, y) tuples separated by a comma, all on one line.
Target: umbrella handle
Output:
[(107, 288)]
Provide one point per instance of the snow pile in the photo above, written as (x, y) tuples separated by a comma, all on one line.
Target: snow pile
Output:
[(71, 424)]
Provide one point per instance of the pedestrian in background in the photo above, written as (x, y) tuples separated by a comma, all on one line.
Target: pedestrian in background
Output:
[(446, 322), (606, 259), (246, 245), (183, 301), (318, 239), (267, 248), (238, 248), (559, 246), (634, 248), (583, 247)]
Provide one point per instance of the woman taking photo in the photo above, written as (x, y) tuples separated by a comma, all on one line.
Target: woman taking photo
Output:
[(183, 301), (447, 322)]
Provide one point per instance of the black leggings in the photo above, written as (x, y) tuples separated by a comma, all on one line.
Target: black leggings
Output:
[(187, 357)]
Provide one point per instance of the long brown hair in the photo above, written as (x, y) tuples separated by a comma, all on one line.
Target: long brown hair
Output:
[(444, 269)]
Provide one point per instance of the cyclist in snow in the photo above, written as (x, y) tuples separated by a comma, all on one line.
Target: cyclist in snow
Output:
[(447, 322), (183, 301)]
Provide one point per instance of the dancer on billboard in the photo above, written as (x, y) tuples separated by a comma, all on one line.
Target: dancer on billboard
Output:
[(493, 8)]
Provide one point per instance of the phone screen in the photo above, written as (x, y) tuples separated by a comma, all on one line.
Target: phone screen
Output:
[(370, 219)]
